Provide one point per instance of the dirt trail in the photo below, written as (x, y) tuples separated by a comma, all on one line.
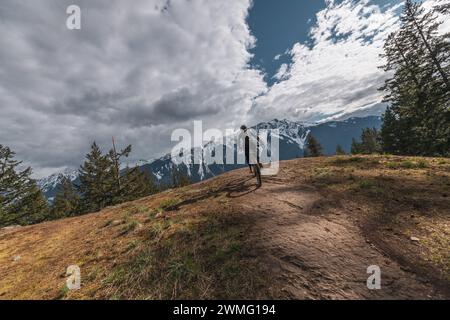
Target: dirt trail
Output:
[(316, 253), (310, 232)]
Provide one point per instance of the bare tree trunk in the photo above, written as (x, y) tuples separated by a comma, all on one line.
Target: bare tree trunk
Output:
[(430, 50), (116, 164)]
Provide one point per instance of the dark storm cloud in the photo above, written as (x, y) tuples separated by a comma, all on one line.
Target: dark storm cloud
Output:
[(174, 107), (133, 71)]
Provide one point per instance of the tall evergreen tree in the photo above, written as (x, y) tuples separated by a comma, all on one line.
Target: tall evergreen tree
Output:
[(116, 158), (98, 184), (67, 201), (103, 183), (21, 201), (423, 25), (136, 184), (2, 211), (313, 147), (33, 207), (355, 148), (390, 133), (179, 179), (418, 57), (369, 144), (443, 8)]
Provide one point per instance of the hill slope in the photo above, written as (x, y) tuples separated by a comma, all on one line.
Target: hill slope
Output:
[(308, 233)]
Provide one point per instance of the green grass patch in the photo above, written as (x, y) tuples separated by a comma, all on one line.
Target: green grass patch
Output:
[(320, 174), (63, 292), (168, 204), (369, 186), (133, 244), (126, 217), (365, 184), (407, 164), (347, 160), (422, 164), (164, 206), (117, 275), (393, 165), (137, 210), (129, 227), (355, 160)]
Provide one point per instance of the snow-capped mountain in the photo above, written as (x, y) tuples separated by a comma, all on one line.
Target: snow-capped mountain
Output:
[(293, 132), (49, 185), (292, 137)]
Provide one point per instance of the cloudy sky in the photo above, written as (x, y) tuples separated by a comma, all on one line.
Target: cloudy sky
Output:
[(138, 71)]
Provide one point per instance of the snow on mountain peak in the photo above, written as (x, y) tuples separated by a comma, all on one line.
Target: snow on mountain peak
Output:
[(55, 179), (295, 132), (292, 137), (284, 124)]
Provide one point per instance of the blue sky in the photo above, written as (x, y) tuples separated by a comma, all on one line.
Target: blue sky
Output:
[(278, 25)]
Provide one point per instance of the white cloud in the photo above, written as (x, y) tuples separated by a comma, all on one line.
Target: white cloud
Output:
[(282, 72), (339, 74), (134, 71)]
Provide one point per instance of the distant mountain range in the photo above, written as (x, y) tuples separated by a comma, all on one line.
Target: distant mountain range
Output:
[(292, 140)]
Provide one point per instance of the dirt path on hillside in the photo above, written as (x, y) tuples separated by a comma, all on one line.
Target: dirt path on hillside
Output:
[(317, 251), (310, 232)]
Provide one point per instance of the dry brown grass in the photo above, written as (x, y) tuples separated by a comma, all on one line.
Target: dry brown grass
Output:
[(191, 242), (177, 244)]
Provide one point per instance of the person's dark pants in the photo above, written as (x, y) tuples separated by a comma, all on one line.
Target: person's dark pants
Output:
[(247, 161)]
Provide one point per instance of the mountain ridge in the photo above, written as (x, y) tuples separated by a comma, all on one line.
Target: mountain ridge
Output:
[(293, 135)]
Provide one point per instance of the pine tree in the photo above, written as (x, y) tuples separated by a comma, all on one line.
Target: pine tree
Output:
[(21, 201), (313, 147), (179, 179), (2, 211), (370, 142), (32, 207), (136, 184), (418, 119), (98, 184), (356, 147), (423, 26), (103, 183), (116, 161), (67, 201), (131, 183), (443, 8), (390, 134), (339, 150)]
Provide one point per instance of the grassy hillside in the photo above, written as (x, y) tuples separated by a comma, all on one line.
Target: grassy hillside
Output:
[(310, 232)]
